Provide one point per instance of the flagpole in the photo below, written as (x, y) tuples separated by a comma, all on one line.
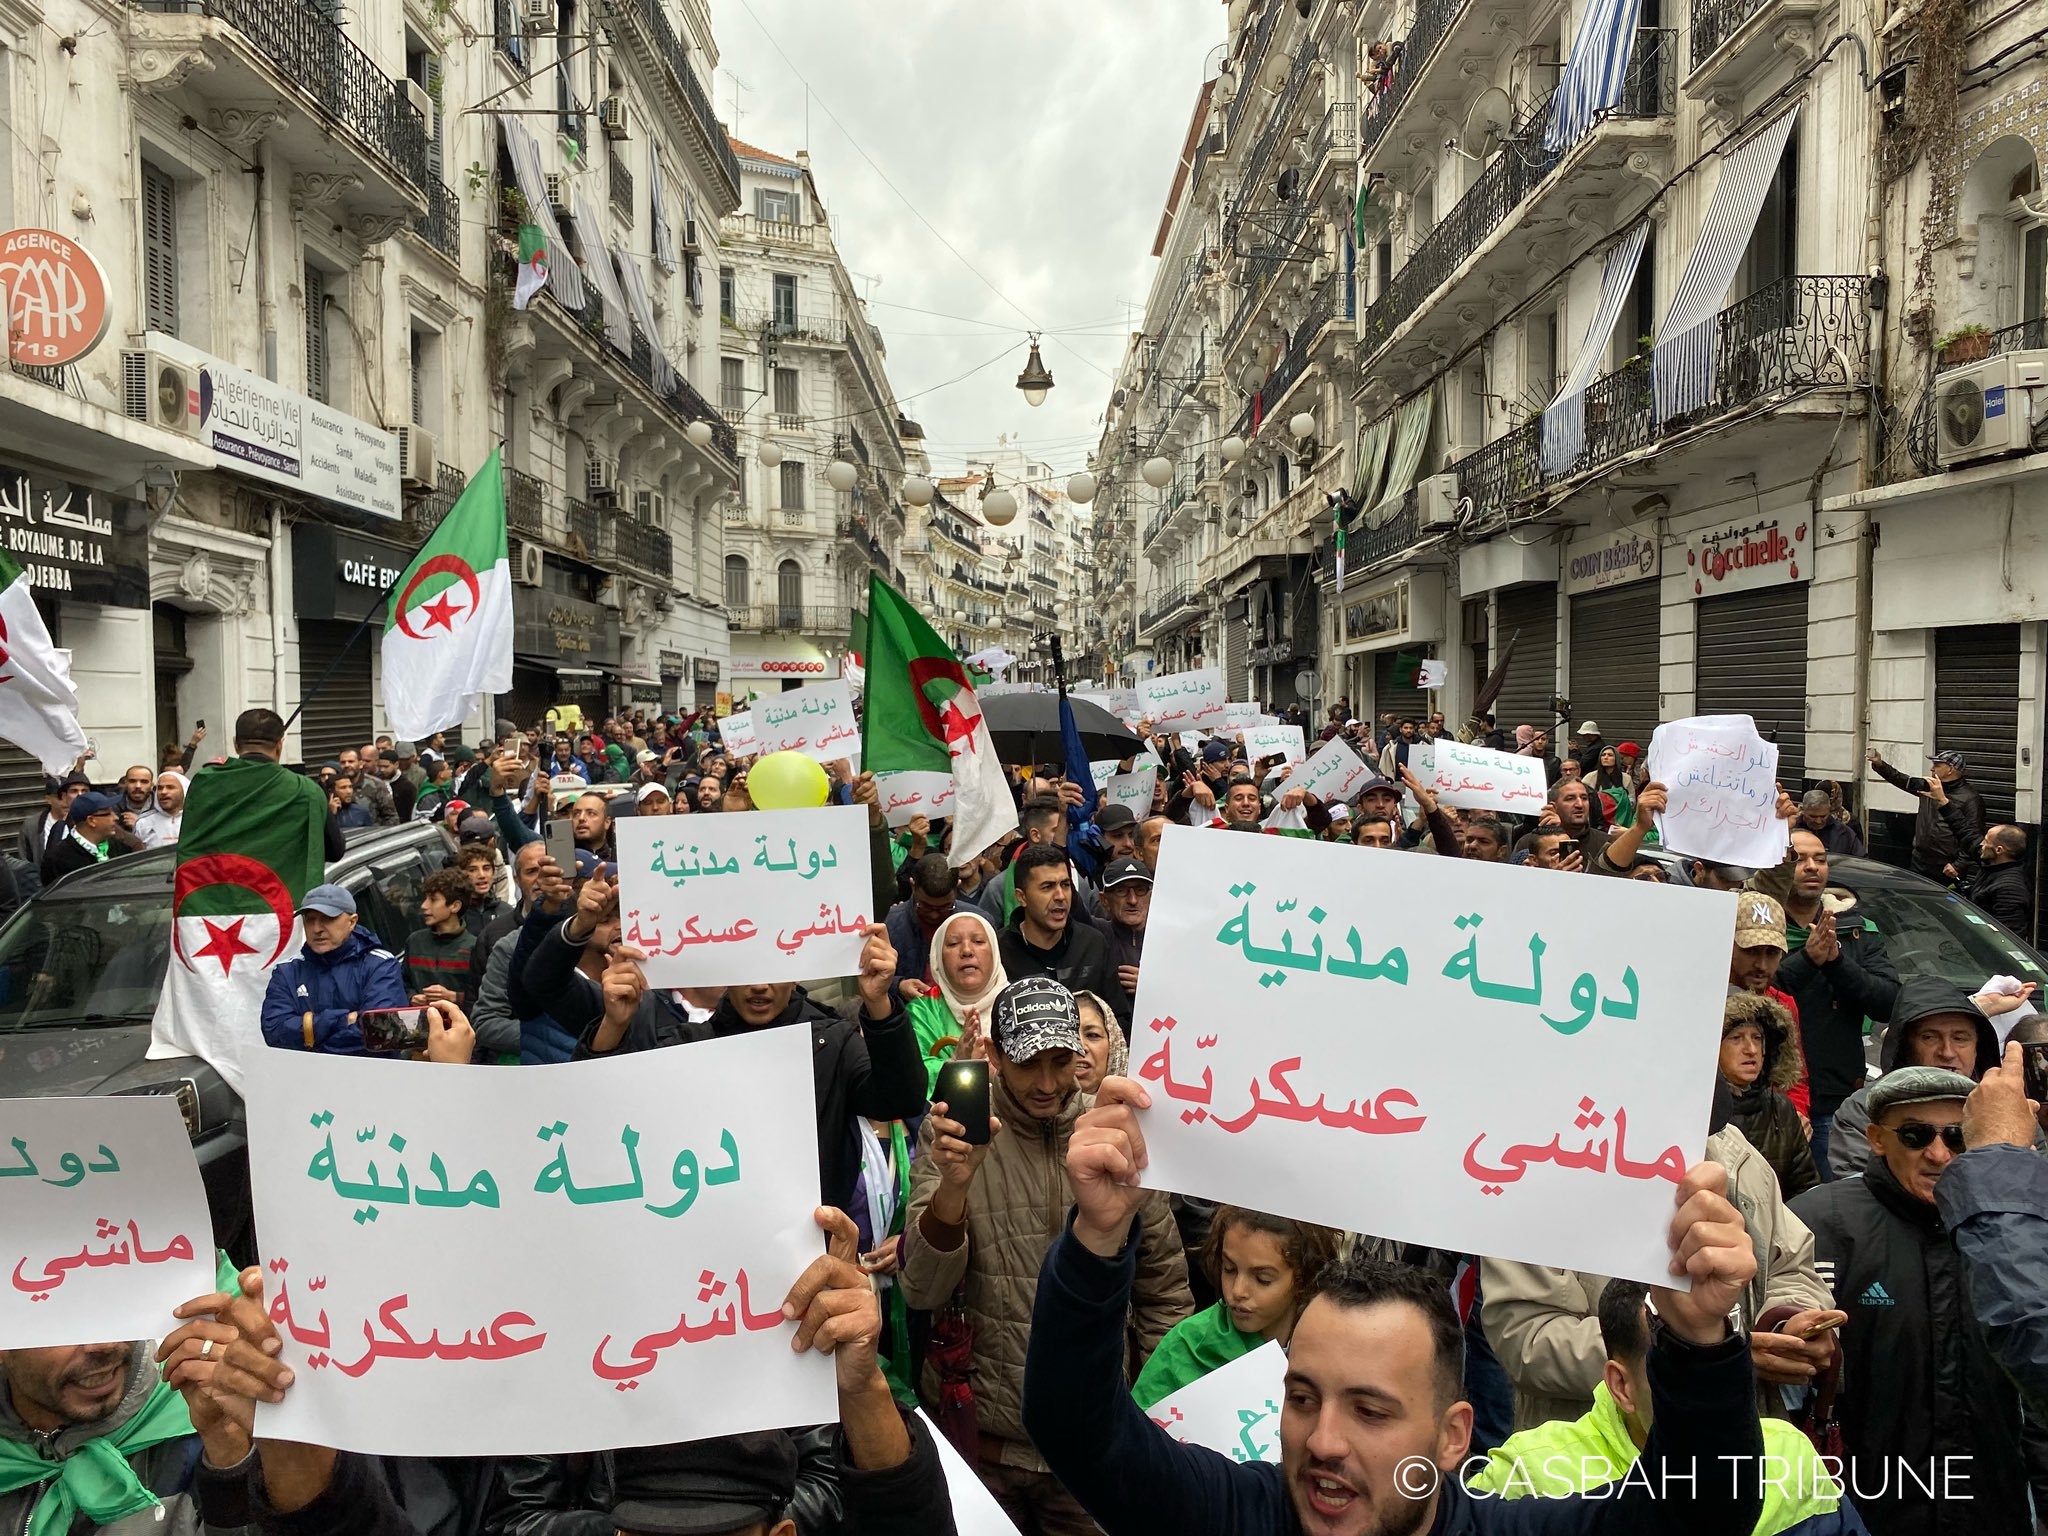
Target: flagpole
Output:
[(383, 595)]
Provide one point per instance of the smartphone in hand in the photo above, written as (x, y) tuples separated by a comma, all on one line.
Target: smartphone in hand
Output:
[(393, 1031), (561, 845), (963, 1089)]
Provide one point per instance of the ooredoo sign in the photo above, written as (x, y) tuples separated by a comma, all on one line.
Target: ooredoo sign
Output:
[(57, 307)]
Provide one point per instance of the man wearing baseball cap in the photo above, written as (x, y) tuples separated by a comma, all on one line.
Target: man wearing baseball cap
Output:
[(1930, 1396), (312, 1000), (985, 1213), (88, 837), (1949, 828), (1126, 906)]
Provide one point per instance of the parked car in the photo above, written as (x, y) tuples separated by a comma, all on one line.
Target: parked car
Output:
[(81, 966)]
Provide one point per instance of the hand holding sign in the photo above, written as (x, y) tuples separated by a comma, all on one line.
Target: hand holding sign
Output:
[(1105, 1160), (1710, 1246), (835, 1307), (223, 1359)]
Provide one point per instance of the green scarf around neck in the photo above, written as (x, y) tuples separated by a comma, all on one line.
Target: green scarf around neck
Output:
[(95, 1480)]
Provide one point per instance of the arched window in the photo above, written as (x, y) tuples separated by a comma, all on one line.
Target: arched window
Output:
[(2002, 252), (789, 594), (737, 595)]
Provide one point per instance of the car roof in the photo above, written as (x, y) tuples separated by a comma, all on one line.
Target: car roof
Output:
[(151, 871)]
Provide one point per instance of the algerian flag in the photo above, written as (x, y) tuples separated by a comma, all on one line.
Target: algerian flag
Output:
[(855, 670), (38, 705), (533, 265), (249, 849), (921, 714), (448, 638), (1433, 673)]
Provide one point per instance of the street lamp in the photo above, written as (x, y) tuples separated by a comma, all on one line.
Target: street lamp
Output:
[(841, 476), (1081, 490), (770, 454), (1303, 425), (999, 507), (1034, 381), (699, 434), (1158, 472), (917, 491)]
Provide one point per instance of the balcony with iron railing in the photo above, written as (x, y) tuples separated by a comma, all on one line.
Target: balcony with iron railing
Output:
[(526, 503), (620, 177), (441, 225), (1736, 42), (647, 29), (356, 120), (819, 330), (1167, 605), (1249, 66), (1527, 192), (2026, 336), (423, 514), (1329, 304), (1389, 90), (822, 619)]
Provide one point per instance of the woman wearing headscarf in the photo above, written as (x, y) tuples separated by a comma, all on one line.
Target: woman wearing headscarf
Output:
[(1105, 1053), (1608, 776), (968, 968)]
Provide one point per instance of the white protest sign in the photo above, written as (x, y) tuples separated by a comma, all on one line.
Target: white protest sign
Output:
[(1237, 716), (1185, 701), (737, 732), (1479, 778), (816, 720), (103, 1219), (908, 793), (1263, 741), (975, 1510), (429, 1233), (1104, 770), (1721, 778), (768, 896), (1132, 789), (1276, 1025), (1333, 772), (1235, 1409)]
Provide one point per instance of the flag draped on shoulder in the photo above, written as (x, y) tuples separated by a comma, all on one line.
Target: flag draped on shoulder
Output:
[(921, 714), (448, 635), (38, 705), (250, 847)]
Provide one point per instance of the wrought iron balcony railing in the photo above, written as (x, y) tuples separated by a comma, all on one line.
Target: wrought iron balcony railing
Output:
[(2025, 336), (311, 52), (1365, 546), (648, 14), (803, 618), (441, 225), (1433, 19), (526, 502), (424, 515), (1323, 306), (621, 183), (1167, 604)]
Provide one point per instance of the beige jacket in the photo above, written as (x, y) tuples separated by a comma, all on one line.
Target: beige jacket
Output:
[(1016, 1206), (1545, 1323)]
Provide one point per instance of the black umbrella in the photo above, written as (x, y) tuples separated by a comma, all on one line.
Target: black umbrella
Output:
[(1026, 729)]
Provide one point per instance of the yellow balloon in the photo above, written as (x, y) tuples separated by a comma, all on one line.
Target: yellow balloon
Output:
[(787, 781)]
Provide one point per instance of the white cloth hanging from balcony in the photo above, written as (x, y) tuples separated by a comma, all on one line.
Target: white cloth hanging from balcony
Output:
[(1683, 366), (643, 315), (618, 331), (1369, 461), (1564, 419), (1595, 73), (657, 203), (533, 187), (1411, 434)]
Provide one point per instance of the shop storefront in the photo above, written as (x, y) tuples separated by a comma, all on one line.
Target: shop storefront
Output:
[(337, 578), (1750, 643), (1374, 624), (704, 682), (1612, 657), (675, 680), (565, 650), (1520, 582)]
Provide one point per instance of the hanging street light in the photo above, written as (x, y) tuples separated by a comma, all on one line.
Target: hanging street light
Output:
[(841, 476), (771, 453), (917, 491), (1233, 448), (1034, 381), (1303, 425), (1081, 490), (699, 434), (999, 507), (1158, 472)]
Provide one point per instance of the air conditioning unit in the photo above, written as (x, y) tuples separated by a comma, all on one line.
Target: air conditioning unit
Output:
[(161, 391), (529, 572), (422, 103), (690, 242), (1987, 409), (611, 117), (417, 454), (540, 15), (599, 476), (558, 193), (1436, 501), (609, 596)]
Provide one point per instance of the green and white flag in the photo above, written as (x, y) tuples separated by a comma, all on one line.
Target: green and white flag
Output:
[(534, 259), (38, 705), (249, 849), (448, 637)]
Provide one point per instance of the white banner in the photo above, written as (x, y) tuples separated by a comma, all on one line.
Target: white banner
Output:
[(103, 1219), (1479, 778), (1532, 1082), (1721, 779), (975, 1510), (768, 896), (908, 793), (1237, 716), (737, 733), (1234, 1410), (1333, 772), (1133, 789), (1185, 701), (1263, 741), (417, 1216), (816, 720)]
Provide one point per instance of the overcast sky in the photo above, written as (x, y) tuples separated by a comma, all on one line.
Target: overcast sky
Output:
[(1039, 137)]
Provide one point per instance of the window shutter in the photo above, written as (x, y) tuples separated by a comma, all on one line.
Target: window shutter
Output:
[(792, 486), (159, 251), (433, 73), (316, 332)]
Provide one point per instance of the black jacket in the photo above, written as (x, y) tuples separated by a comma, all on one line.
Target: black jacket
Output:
[(1921, 998), (368, 1496), (1919, 1384), (1839, 837), (67, 854), (1942, 834), (1995, 1201), (870, 1068), (1834, 999), (1136, 1479), (2001, 890), (1080, 961), (1763, 1112)]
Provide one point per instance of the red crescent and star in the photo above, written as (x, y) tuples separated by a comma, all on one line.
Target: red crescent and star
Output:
[(440, 613), (224, 941)]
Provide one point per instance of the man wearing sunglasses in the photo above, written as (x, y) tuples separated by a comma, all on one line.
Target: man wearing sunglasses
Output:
[(1923, 1404)]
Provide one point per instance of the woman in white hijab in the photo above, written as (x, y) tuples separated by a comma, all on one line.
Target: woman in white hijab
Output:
[(968, 968)]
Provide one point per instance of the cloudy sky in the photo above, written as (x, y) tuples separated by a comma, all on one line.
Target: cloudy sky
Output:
[(1039, 137)]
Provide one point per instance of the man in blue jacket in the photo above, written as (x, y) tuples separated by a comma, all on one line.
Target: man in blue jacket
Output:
[(312, 1002), (1373, 1429)]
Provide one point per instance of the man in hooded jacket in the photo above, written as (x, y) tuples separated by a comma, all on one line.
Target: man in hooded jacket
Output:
[(1760, 1106), (1933, 1025)]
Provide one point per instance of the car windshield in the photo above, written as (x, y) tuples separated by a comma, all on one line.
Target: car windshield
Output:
[(86, 960), (1936, 933)]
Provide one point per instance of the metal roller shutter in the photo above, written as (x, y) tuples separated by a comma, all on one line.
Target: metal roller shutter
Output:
[(533, 694), (1237, 645), (1390, 697), (1532, 670), (1751, 660), (21, 790), (1977, 707), (1614, 662), (339, 714)]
